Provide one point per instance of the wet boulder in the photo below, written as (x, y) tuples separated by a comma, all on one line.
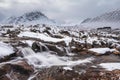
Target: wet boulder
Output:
[(48, 32), (58, 50), (7, 58), (18, 71), (38, 47), (65, 32), (62, 43), (95, 44), (58, 36)]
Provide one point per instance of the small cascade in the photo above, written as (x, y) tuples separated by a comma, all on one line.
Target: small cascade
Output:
[(68, 51), (46, 59), (43, 47), (27, 51)]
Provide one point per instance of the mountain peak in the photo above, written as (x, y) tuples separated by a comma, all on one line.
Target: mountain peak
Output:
[(34, 15), (29, 17)]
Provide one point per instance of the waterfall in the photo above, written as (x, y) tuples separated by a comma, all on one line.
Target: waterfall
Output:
[(41, 59), (27, 51), (68, 51), (43, 47), (45, 59)]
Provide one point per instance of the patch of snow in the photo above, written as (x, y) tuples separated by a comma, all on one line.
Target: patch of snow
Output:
[(67, 68), (5, 49), (110, 66), (101, 50), (45, 37), (29, 42), (91, 39)]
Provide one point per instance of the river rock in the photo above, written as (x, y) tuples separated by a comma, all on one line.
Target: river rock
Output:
[(56, 73), (54, 48), (16, 71)]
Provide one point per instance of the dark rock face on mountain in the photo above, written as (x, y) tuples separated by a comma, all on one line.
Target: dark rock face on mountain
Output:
[(113, 16), (35, 17)]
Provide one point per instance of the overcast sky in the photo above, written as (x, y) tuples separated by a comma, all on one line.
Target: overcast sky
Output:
[(63, 10)]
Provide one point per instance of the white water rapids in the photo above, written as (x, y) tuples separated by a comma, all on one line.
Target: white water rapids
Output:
[(45, 59)]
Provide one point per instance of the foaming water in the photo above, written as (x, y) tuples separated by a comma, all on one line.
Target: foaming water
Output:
[(45, 59), (68, 51), (27, 51)]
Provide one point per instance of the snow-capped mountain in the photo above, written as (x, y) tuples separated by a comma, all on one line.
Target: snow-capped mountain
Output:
[(113, 16), (35, 17), (111, 19)]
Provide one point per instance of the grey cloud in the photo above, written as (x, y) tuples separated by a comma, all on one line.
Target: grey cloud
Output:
[(62, 9)]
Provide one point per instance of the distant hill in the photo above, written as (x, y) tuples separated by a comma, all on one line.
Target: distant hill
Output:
[(34, 17), (111, 19), (113, 16)]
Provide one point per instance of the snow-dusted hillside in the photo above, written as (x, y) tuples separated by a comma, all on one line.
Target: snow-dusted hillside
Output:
[(111, 19), (35, 17), (113, 16)]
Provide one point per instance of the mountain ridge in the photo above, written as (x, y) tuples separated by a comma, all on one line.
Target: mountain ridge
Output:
[(29, 17), (113, 16)]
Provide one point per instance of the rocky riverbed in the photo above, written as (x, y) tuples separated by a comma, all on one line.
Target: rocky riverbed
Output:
[(56, 53)]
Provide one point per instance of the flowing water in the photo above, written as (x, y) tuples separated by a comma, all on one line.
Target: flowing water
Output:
[(44, 59)]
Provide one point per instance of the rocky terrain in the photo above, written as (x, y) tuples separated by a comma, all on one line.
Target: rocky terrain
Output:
[(45, 52)]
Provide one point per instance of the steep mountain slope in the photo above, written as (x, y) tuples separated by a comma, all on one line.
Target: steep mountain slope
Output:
[(111, 19), (113, 16), (29, 18)]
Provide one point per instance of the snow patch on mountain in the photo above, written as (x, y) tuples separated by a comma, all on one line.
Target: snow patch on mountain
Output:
[(113, 16), (35, 17), (111, 19)]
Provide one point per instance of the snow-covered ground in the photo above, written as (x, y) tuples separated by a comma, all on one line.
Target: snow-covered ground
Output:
[(102, 50), (44, 47), (44, 37), (110, 66), (5, 49)]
